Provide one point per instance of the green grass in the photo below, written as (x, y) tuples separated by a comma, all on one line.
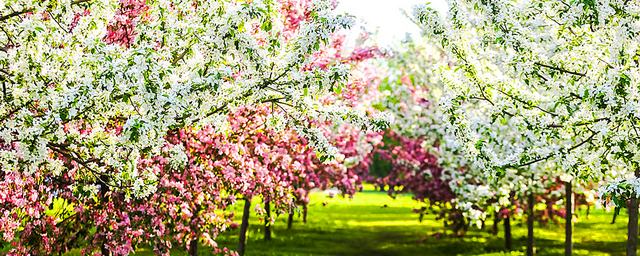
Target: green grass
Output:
[(363, 226)]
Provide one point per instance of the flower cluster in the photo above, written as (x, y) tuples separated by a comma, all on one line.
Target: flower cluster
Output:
[(104, 94), (139, 122), (417, 98), (541, 87)]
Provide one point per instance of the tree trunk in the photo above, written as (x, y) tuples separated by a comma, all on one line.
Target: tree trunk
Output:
[(568, 241), (546, 223), (244, 226), (496, 220), (632, 228), (104, 251), (508, 244), (193, 245), (267, 221), (304, 213), (290, 222), (615, 214), (632, 235), (530, 220), (104, 189)]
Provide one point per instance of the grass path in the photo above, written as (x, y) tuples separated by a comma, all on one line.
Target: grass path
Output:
[(364, 226)]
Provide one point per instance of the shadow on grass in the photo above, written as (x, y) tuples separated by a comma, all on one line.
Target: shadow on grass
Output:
[(374, 224), (357, 229)]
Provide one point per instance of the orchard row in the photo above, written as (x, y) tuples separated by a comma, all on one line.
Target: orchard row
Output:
[(131, 123)]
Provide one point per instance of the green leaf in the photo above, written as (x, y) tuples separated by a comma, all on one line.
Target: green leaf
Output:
[(266, 26)]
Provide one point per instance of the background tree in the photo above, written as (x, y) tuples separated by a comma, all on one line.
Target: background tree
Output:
[(535, 67), (413, 92)]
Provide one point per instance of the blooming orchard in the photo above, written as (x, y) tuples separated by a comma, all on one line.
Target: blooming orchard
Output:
[(545, 82), (101, 82), (92, 90), (544, 85), (127, 123)]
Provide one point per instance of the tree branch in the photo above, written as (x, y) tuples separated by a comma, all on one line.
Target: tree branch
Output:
[(60, 149), (526, 103), (181, 56), (79, 1), (559, 69), (554, 154), (14, 14), (581, 123), (6, 117), (56, 21)]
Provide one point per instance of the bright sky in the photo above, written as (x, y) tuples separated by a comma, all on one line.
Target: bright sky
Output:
[(385, 16)]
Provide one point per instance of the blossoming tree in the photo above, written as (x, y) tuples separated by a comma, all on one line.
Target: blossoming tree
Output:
[(413, 91), (560, 77), (354, 142), (150, 67), (91, 88)]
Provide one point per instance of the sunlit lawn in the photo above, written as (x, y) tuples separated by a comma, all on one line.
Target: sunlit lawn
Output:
[(364, 226)]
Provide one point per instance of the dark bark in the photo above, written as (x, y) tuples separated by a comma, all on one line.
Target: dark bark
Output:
[(304, 213), (290, 221), (104, 250), (508, 244), (244, 226), (549, 213), (530, 220), (104, 189), (632, 234), (193, 245), (632, 228), (267, 221), (14, 14), (615, 214), (568, 242), (496, 220)]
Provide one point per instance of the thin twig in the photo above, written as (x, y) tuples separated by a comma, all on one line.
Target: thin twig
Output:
[(54, 19), (559, 69), (554, 154)]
